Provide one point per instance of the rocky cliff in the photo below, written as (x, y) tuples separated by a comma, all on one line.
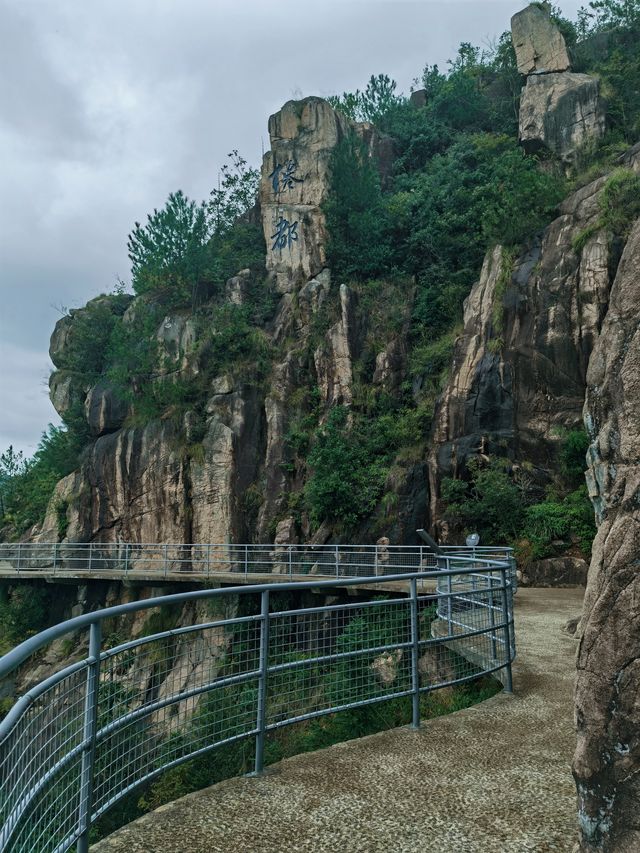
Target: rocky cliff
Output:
[(607, 759), (530, 324), (147, 483)]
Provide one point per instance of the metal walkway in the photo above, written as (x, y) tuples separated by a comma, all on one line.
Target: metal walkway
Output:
[(491, 779), (231, 563)]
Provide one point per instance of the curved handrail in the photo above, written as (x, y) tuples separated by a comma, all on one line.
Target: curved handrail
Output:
[(81, 738)]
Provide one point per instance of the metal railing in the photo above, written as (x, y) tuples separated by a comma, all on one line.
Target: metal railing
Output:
[(238, 664), (193, 561)]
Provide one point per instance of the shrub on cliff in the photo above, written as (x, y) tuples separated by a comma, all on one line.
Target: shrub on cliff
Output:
[(490, 504), (27, 487), (348, 467)]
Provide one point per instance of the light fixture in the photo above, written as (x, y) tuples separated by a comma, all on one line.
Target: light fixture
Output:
[(472, 540)]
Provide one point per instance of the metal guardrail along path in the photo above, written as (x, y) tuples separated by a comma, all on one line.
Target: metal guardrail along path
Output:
[(180, 562), (79, 740)]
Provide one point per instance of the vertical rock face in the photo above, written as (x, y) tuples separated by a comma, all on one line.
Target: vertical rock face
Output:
[(334, 359), (559, 110), (295, 182), (519, 369), (538, 43), (607, 759)]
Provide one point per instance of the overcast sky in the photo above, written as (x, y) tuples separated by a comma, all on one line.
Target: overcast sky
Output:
[(107, 106)]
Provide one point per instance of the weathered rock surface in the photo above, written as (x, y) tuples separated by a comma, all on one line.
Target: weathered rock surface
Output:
[(560, 112), (66, 391), (538, 43), (519, 369), (104, 410), (334, 359), (556, 572), (607, 759), (295, 181)]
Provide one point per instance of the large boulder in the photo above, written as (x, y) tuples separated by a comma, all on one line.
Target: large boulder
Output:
[(538, 43), (555, 571), (560, 112), (67, 391), (607, 759)]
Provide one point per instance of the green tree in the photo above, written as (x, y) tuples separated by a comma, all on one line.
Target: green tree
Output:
[(235, 195), (482, 190), (169, 254), (357, 219), (187, 249), (29, 489), (348, 469), (490, 504), (373, 104)]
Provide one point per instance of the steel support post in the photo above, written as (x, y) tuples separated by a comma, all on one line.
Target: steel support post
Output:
[(415, 654), (262, 682), (492, 620), (89, 737), (508, 687)]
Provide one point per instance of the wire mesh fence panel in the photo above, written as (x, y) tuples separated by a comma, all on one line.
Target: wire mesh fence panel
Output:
[(354, 655), (35, 757)]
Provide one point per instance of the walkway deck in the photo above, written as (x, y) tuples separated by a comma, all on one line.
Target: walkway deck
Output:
[(492, 779)]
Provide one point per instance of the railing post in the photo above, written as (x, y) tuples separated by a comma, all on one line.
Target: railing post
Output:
[(126, 558), (290, 566), (246, 560), (90, 555), (492, 620), (166, 559), (449, 596), (208, 559), (415, 654), (508, 687), (55, 557), (337, 559), (19, 557), (89, 737), (262, 682)]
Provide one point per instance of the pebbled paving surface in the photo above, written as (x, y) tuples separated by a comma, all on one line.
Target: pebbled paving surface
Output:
[(494, 778)]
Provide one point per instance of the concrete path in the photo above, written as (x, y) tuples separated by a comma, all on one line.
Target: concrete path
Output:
[(491, 779)]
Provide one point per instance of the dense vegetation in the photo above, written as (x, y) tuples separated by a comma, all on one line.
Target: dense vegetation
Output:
[(503, 503), (411, 249)]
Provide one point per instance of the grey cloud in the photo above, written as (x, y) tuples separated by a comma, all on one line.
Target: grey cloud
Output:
[(35, 103)]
